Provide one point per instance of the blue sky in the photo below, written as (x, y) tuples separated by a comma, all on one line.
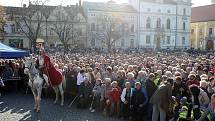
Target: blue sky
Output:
[(69, 2)]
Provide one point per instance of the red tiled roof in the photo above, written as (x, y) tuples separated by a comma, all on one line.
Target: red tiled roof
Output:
[(203, 13)]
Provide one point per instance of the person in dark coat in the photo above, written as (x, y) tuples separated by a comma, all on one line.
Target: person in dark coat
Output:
[(139, 101), (150, 87), (179, 88), (85, 94)]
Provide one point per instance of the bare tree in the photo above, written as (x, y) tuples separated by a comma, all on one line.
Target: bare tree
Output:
[(2, 22), (109, 30), (63, 26), (31, 21)]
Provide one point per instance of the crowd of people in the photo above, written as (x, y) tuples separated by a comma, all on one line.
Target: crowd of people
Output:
[(151, 87), (140, 87)]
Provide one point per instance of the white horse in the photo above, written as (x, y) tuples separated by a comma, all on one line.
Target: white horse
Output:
[(35, 81), (57, 88)]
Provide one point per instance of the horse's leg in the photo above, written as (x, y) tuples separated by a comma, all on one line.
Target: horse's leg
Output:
[(56, 94), (46, 78), (35, 98), (39, 91), (34, 94), (60, 87)]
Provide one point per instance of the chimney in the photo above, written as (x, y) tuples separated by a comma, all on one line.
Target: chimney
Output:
[(79, 3)]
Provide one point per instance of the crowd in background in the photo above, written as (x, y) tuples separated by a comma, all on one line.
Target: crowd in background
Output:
[(148, 87)]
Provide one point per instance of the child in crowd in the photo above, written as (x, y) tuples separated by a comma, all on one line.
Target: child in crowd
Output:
[(115, 98)]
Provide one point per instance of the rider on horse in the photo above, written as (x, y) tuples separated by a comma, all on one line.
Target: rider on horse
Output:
[(48, 70), (42, 65)]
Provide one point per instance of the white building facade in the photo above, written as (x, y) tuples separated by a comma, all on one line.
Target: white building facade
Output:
[(128, 22), (163, 24)]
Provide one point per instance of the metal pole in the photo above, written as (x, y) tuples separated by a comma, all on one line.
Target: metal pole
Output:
[(139, 26), (176, 26), (46, 34)]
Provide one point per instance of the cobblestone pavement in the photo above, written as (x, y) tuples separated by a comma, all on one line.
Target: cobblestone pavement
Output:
[(19, 107)]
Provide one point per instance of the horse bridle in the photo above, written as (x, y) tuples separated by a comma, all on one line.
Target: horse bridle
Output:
[(29, 67)]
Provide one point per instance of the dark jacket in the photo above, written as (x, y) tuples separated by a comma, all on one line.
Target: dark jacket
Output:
[(180, 90), (139, 97), (150, 87), (85, 89)]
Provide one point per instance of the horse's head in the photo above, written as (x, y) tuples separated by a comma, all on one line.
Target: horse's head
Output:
[(28, 64), (41, 60)]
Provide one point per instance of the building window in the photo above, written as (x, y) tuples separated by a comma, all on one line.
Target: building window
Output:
[(183, 40), (164, 42), (192, 31), (168, 11), (148, 22), (51, 32), (148, 41), (184, 11), (93, 27), (93, 42), (16, 43), (168, 24), (158, 23), (159, 10), (132, 43), (210, 31), (13, 28), (168, 39), (184, 26), (93, 15), (132, 28), (122, 43), (79, 32), (149, 10)]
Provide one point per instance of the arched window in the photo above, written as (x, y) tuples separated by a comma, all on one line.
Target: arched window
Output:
[(168, 24), (184, 11), (93, 27), (184, 26), (148, 22), (158, 23)]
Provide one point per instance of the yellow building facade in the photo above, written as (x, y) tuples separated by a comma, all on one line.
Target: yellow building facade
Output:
[(203, 28), (202, 35)]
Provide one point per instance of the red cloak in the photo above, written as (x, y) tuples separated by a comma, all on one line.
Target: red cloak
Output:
[(54, 75)]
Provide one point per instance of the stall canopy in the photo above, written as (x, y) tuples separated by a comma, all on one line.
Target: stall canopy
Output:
[(9, 52)]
